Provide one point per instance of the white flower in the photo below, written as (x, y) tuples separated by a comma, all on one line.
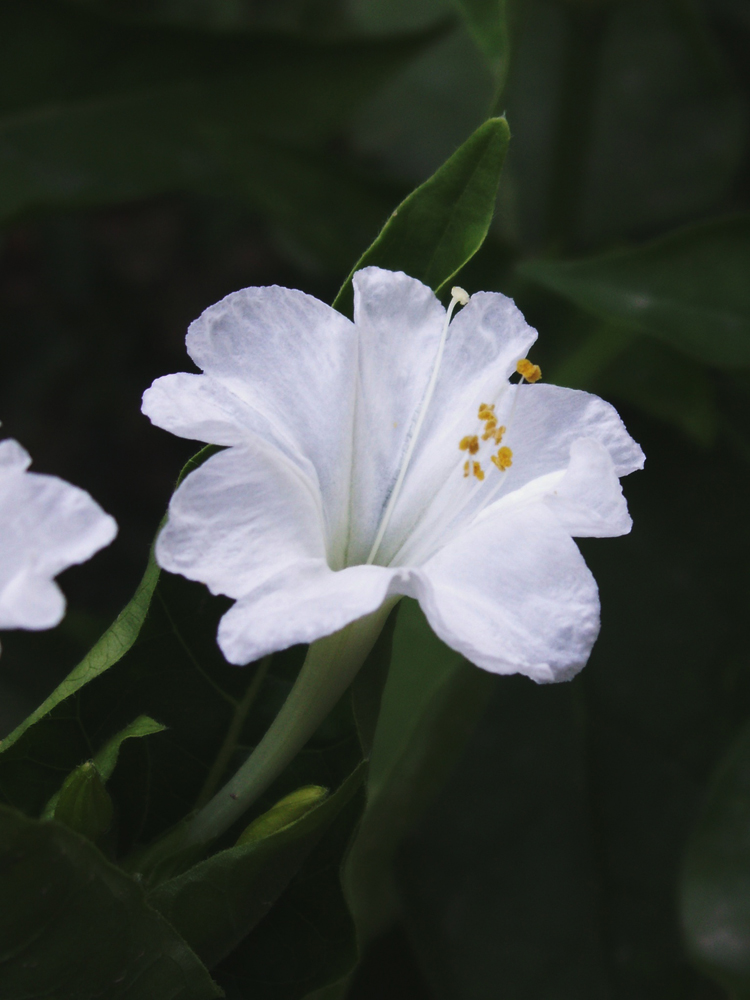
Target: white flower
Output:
[(359, 467), (46, 525)]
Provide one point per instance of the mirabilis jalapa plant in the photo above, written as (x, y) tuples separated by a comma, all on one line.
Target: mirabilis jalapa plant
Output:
[(378, 458)]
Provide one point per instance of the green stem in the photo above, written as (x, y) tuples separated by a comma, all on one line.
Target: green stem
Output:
[(229, 745), (327, 672)]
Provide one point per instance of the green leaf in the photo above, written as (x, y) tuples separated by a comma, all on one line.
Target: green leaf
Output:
[(83, 803), (112, 646), (715, 886), (442, 224), (73, 926), (106, 759), (215, 904), (689, 289), (431, 702)]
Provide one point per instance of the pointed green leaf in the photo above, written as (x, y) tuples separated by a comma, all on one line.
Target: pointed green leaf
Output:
[(441, 225), (74, 926), (106, 759), (215, 904), (83, 803), (689, 289), (112, 646), (715, 890)]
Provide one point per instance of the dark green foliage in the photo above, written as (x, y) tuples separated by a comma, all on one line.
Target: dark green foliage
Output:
[(157, 154), (715, 887), (689, 289), (98, 935)]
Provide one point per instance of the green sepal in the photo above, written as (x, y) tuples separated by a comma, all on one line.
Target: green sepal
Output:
[(83, 803)]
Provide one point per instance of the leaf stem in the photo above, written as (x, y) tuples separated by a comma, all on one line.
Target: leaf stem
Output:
[(229, 745)]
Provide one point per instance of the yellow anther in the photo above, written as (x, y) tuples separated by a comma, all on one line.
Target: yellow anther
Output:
[(478, 471), (532, 373), (469, 443), (486, 412), (503, 460), (466, 468)]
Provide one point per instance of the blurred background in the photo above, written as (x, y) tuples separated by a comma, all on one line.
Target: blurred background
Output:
[(158, 154)]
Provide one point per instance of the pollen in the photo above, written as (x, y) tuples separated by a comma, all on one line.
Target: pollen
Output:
[(503, 460), (469, 443), (478, 471), (486, 412), (532, 373), (467, 465), (491, 430)]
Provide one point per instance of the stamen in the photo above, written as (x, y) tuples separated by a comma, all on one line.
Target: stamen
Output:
[(503, 460), (532, 373), (478, 471), (469, 443), (459, 296), (467, 463)]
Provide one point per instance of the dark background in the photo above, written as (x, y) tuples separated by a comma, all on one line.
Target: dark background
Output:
[(157, 155)]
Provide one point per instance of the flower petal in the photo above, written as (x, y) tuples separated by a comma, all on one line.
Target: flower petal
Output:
[(513, 594), (46, 525), (291, 360), (241, 518), (543, 423), (399, 322), (302, 604), (31, 602), (589, 502), (200, 408)]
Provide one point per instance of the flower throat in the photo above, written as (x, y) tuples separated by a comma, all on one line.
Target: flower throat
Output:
[(458, 296)]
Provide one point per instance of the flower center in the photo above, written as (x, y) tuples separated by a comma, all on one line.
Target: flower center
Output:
[(458, 296), (503, 459)]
